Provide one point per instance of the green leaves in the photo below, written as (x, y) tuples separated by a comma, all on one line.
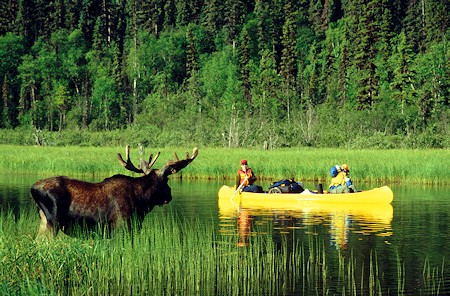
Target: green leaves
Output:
[(242, 68)]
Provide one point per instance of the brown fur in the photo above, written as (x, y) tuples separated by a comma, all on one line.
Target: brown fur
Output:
[(63, 202)]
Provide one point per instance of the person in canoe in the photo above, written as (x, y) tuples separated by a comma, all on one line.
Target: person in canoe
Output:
[(245, 178), (341, 182)]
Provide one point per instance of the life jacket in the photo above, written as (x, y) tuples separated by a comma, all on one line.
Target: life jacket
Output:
[(243, 175), (338, 180)]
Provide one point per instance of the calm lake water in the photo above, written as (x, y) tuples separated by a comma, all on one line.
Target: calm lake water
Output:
[(413, 232)]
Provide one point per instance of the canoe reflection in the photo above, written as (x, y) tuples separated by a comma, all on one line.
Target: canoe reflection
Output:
[(339, 219)]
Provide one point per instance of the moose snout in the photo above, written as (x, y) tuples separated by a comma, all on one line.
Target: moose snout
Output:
[(167, 200)]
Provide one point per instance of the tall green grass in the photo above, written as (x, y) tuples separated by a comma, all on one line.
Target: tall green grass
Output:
[(430, 166), (172, 256)]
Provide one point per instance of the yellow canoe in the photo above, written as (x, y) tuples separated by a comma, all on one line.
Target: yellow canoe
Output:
[(380, 195), (372, 208)]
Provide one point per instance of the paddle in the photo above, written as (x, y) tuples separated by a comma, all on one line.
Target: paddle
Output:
[(239, 187)]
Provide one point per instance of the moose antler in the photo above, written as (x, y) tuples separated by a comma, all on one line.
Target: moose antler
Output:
[(173, 166), (144, 167)]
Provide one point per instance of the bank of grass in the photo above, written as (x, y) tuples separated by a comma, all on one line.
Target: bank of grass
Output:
[(172, 256), (428, 166)]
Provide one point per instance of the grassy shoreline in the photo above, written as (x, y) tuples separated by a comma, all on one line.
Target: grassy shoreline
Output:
[(428, 166)]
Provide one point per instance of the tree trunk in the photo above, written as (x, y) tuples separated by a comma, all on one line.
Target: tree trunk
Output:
[(86, 103)]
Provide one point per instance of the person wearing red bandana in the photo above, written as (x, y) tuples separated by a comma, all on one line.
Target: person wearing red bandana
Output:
[(245, 178)]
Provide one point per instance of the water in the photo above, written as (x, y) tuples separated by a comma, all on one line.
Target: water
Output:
[(413, 232)]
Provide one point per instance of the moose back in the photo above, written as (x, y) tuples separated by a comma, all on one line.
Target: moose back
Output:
[(63, 202)]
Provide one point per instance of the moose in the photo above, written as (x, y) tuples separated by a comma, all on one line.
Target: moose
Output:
[(63, 202)]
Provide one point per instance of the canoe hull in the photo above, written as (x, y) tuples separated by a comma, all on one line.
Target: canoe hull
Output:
[(381, 195), (370, 212)]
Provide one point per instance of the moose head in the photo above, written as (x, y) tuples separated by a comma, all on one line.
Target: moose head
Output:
[(63, 202)]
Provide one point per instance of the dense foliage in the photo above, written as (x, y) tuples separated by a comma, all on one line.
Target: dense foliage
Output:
[(230, 73)]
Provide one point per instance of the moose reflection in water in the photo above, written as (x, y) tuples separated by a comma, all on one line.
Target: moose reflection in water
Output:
[(63, 202), (340, 220)]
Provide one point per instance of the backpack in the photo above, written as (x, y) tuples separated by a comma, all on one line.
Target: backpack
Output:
[(334, 171), (285, 186)]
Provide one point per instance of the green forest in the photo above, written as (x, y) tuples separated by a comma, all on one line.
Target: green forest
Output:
[(226, 73)]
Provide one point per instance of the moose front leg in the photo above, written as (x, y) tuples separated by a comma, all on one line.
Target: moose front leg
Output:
[(46, 230)]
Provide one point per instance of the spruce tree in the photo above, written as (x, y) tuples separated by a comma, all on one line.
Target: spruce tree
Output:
[(196, 7), (212, 22), (191, 53), (288, 58), (315, 17), (267, 86), (170, 14), (342, 75), (72, 14), (244, 63), (402, 84), (311, 78), (9, 10), (26, 21), (57, 15), (411, 25), (384, 25), (184, 14), (213, 16), (89, 12), (5, 107), (234, 18), (364, 55), (262, 19), (328, 71), (154, 16), (436, 20), (277, 16)]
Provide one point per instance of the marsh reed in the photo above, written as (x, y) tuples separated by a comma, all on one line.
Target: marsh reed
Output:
[(429, 166), (172, 256)]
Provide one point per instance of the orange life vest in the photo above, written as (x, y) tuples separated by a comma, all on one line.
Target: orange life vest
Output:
[(242, 175), (338, 180)]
